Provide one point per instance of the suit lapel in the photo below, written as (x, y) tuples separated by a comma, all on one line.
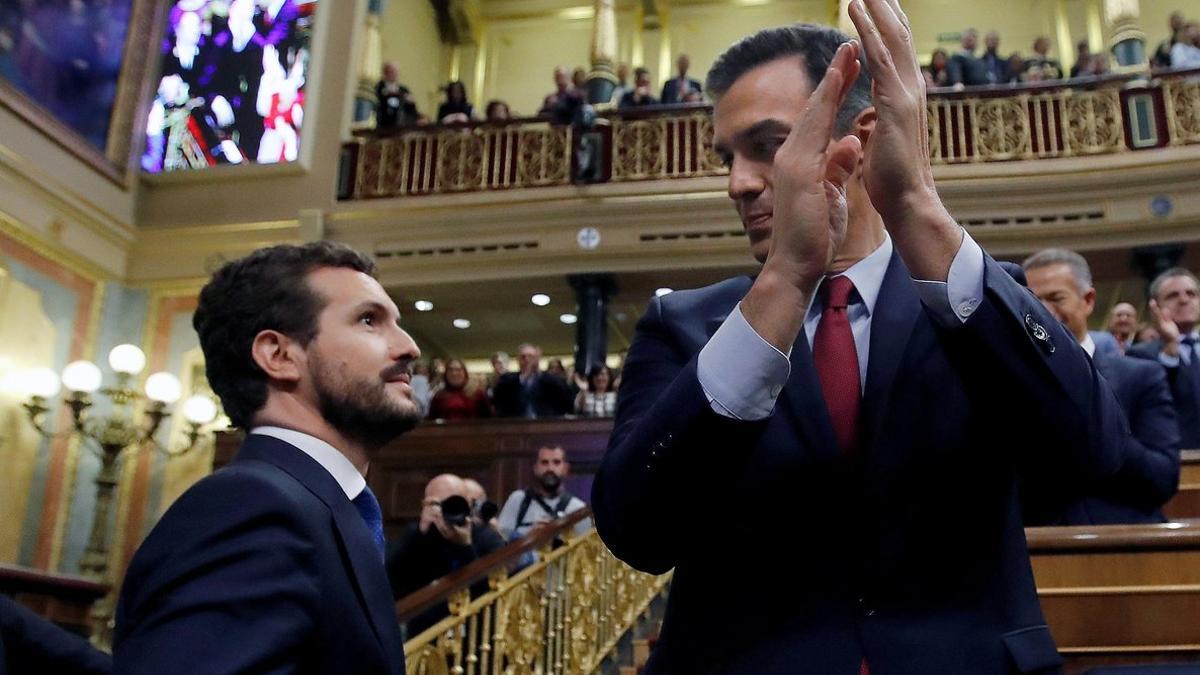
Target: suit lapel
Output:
[(896, 312), (366, 568)]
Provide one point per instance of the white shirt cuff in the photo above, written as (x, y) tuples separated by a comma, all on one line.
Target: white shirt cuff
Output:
[(740, 372), (960, 295)]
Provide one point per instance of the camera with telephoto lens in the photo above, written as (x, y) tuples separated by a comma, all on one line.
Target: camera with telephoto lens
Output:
[(486, 510), (455, 511)]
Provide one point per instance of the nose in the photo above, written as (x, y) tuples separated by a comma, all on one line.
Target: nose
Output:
[(403, 346), (746, 179)]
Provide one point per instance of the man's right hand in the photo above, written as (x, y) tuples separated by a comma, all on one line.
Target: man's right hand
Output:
[(809, 212), (455, 534), (1167, 329)]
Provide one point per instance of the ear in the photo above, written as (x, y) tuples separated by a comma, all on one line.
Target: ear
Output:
[(1089, 299), (864, 124), (278, 356)]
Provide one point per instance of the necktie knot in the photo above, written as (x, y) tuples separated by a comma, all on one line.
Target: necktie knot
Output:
[(372, 515), (837, 292)]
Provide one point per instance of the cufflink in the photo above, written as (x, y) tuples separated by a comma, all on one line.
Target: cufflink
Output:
[(1038, 332)]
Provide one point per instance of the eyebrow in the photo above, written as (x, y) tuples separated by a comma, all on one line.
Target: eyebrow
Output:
[(760, 128), (374, 305)]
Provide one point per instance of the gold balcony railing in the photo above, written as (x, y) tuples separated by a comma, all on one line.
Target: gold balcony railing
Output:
[(1047, 120), (562, 615)]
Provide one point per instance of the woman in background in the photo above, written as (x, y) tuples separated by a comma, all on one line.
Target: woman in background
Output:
[(599, 399), (454, 401), (455, 108)]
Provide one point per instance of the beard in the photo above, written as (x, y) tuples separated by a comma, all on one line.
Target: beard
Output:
[(360, 409), (550, 482)]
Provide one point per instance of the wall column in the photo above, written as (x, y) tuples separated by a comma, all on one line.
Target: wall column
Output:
[(592, 292), (603, 79), (1126, 39), (370, 65)]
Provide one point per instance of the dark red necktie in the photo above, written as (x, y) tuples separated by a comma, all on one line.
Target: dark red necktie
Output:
[(836, 360)]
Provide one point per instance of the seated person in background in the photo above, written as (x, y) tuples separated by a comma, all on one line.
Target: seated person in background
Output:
[(457, 399), (563, 95), (579, 79), (640, 94), (531, 393), (1175, 311), (444, 540), (394, 104), (1150, 475), (29, 644), (1162, 55), (937, 73), (995, 67), (1083, 59), (1145, 333), (622, 87), (599, 399), (532, 508), (497, 111), (1016, 68), (456, 109), (1122, 324)]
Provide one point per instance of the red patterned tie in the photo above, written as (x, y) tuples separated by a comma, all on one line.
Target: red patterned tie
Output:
[(836, 360)]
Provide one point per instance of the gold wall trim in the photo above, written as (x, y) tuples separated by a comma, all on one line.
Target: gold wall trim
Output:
[(1129, 649), (13, 229), (1171, 589)]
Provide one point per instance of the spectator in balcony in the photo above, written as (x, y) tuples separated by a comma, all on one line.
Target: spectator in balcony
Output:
[(622, 87), (1041, 67), (1186, 52), (681, 88), (579, 78), (640, 95), (599, 398), (1149, 475), (394, 104), (531, 393), (995, 66), (561, 103), (1162, 55), (497, 111), (964, 68), (457, 399), (936, 73), (499, 363), (1145, 333), (443, 540), (1175, 314), (546, 500), (1122, 324), (1016, 68), (421, 388), (1083, 59), (456, 109)]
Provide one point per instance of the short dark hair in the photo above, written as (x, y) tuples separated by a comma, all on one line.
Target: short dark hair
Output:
[(815, 44), (266, 290), (640, 71)]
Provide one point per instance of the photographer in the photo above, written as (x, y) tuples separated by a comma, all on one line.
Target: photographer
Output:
[(548, 500), (445, 539)]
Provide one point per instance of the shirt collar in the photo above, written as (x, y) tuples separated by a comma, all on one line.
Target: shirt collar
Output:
[(867, 276), (330, 458), (1089, 345)]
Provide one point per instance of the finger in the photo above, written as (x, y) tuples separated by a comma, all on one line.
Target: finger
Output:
[(910, 56), (815, 125), (883, 72), (851, 72), (843, 160), (896, 38)]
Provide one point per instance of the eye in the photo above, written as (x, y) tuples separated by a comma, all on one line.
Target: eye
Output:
[(367, 318)]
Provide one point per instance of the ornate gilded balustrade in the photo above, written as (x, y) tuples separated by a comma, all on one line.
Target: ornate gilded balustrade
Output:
[(1047, 120), (563, 614)]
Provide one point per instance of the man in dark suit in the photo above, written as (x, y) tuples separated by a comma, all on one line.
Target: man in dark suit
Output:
[(1175, 313), (964, 68), (1150, 475), (30, 644), (880, 424), (530, 392), (682, 89), (274, 564)]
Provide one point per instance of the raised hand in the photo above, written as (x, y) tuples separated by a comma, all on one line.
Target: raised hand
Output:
[(896, 171), (1167, 329), (809, 178)]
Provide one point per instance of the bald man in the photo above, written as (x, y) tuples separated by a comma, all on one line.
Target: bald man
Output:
[(437, 544)]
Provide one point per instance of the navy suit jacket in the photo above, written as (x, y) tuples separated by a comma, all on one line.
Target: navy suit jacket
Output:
[(671, 92), (262, 567), (1150, 475), (1185, 389), (911, 553), (30, 644)]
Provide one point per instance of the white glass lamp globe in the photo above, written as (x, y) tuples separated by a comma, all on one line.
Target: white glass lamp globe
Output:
[(81, 376), (164, 388), (199, 409), (41, 382), (127, 359)]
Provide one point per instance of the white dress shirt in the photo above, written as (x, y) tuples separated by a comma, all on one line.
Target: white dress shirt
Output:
[(329, 457), (1185, 352), (1089, 345), (742, 374)]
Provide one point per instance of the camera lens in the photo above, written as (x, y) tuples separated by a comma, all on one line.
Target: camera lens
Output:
[(455, 510)]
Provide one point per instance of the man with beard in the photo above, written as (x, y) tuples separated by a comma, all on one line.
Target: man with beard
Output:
[(275, 562), (548, 499)]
